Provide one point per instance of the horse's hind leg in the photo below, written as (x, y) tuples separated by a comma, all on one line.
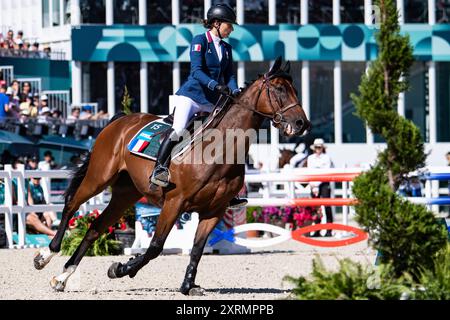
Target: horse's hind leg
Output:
[(124, 194), (204, 228), (169, 214)]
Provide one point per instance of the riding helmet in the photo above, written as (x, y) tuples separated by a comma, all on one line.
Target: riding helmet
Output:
[(221, 12)]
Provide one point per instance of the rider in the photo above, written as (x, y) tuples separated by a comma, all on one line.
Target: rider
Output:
[(211, 75)]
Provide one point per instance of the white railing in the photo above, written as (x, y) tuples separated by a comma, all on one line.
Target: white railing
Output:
[(58, 99), (8, 74), (291, 180), (21, 208)]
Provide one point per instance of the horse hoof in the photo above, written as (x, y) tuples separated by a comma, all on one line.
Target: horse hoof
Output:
[(112, 271), (42, 258), (57, 285), (197, 291)]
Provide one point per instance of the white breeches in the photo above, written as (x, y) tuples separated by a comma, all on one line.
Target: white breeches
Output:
[(185, 108)]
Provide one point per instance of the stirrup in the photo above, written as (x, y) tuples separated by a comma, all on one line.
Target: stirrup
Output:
[(160, 176)]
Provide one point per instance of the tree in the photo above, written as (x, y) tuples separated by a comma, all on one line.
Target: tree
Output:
[(406, 235)]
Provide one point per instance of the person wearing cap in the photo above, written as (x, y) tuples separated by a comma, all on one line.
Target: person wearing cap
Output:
[(321, 160), (211, 76), (86, 113), (44, 115)]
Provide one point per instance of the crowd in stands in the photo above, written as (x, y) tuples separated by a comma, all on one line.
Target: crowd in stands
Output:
[(18, 46), (22, 102)]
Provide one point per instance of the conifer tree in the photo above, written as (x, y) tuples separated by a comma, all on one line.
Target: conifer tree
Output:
[(405, 235)]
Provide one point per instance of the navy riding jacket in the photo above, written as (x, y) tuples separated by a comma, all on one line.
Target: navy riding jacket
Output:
[(207, 71)]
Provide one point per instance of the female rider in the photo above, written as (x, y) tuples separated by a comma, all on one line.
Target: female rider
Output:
[(211, 75)]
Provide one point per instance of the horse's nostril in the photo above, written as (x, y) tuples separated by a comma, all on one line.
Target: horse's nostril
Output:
[(299, 123)]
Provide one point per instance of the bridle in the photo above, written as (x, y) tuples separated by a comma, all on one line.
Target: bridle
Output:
[(276, 116)]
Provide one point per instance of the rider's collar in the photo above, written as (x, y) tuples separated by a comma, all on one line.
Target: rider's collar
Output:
[(211, 37)]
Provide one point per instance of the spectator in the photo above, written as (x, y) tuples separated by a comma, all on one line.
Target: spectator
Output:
[(10, 39), (44, 115), (13, 104), (86, 113), (320, 160), (24, 116), (27, 103), (39, 221), (48, 163), (26, 91), (74, 115), (44, 102), (32, 163), (56, 114), (4, 102), (15, 87), (34, 110)]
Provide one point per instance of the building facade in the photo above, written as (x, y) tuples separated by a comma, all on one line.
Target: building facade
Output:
[(141, 44)]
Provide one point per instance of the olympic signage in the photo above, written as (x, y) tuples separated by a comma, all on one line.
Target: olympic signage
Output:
[(343, 42)]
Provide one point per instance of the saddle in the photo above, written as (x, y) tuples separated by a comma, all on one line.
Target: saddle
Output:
[(146, 142)]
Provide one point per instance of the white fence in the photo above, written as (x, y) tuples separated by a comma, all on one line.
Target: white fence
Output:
[(59, 99), (278, 189), (21, 208)]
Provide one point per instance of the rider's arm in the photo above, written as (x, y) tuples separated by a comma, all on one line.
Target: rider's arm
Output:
[(197, 58)]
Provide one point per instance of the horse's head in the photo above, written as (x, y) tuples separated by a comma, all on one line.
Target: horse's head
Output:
[(276, 98)]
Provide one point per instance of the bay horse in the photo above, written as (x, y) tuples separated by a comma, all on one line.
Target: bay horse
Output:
[(203, 188)]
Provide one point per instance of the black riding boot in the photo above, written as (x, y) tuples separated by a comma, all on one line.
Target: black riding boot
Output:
[(160, 175)]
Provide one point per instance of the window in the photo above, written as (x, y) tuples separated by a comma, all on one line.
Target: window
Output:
[(320, 11), (352, 11), (66, 10), (288, 11), (416, 98), (126, 11), (416, 11), (322, 99), (95, 84), (93, 11), (191, 11), (159, 12), (56, 13), (45, 13), (256, 11), (353, 128), (159, 88), (443, 101), (127, 74), (442, 11)]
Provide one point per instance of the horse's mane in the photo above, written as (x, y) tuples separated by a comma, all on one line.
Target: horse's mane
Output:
[(280, 73)]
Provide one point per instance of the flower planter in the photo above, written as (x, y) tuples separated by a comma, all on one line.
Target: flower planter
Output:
[(126, 237)]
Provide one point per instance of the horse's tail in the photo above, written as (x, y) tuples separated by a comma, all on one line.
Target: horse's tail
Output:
[(79, 173)]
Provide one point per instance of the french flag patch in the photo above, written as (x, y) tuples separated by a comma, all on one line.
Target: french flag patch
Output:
[(140, 145), (197, 47)]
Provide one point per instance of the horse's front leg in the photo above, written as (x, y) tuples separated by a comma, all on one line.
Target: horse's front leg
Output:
[(205, 226)]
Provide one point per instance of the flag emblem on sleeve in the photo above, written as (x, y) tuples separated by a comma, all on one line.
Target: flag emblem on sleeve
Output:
[(197, 47)]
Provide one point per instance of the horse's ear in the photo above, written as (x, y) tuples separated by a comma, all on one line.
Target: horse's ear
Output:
[(276, 66), (287, 67)]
